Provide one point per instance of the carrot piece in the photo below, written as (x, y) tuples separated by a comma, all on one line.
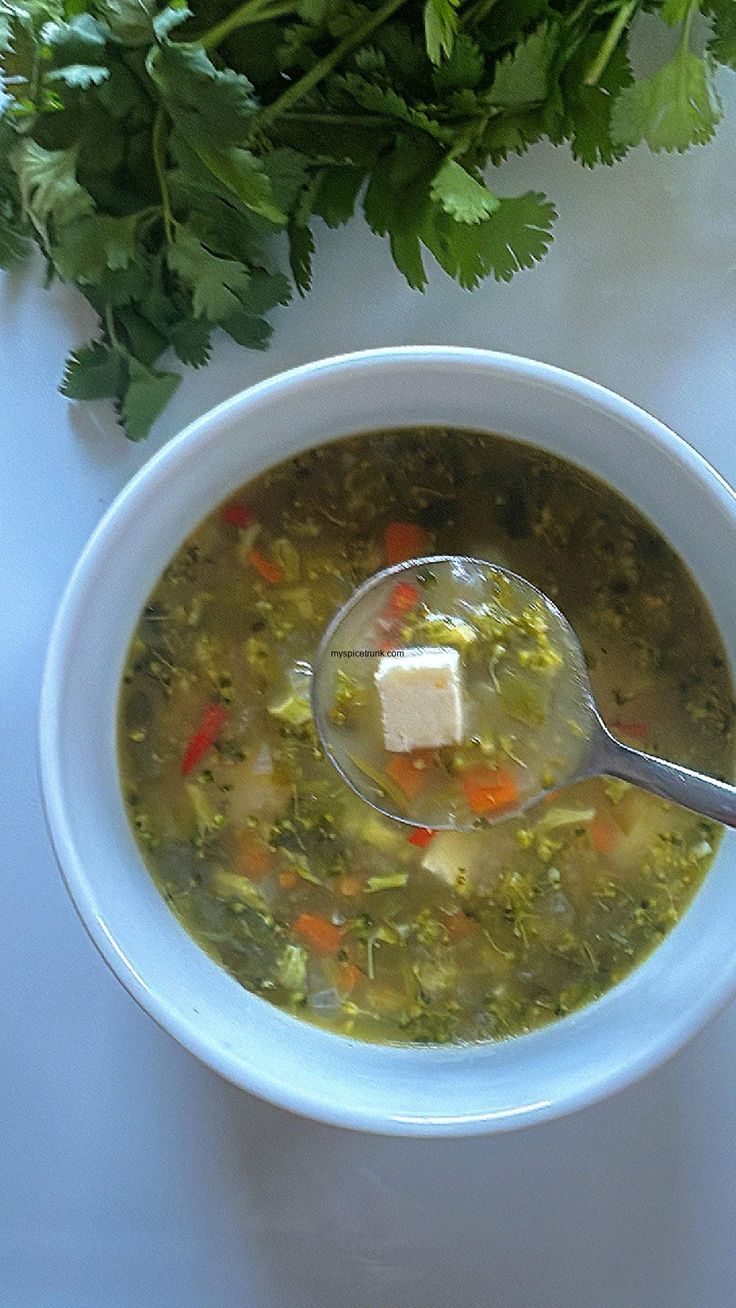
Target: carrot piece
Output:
[(637, 730), (404, 540), (488, 790), (459, 926), (287, 880), (349, 885), (405, 596), (254, 858), (421, 836), (350, 976), (271, 572), (323, 936), (603, 834), (204, 737), (236, 515), (407, 776)]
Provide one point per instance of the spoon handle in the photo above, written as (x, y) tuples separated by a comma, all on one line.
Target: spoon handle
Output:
[(714, 799)]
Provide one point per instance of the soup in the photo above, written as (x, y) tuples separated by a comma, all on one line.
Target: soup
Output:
[(476, 707), (288, 880)]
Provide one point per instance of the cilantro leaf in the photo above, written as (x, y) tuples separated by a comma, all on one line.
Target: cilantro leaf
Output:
[(252, 333), (208, 104), (213, 281), (461, 195), (522, 76), (80, 39), (288, 172), (440, 26), (722, 42), (397, 198), (337, 192), (243, 174), (192, 341), (674, 108), (166, 20), (313, 11), (20, 39), (301, 250), (265, 291), (463, 69), (512, 133), (80, 75), (94, 372), (142, 338), (675, 12), (406, 252), (14, 235), (77, 51), (512, 238), (386, 101), (14, 243), (586, 117), (130, 21), (47, 181), (510, 24), (83, 249), (145, 397)]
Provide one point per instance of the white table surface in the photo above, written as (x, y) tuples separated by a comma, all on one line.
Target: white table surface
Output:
[(133, 1177)]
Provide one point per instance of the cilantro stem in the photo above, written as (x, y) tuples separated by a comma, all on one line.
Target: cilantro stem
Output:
[(307, 83), (611, 40), (253, 11), (577, 13), (159, 161), (110, 329), (687, 24)]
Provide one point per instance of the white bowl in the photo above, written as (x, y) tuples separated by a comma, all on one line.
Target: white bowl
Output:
[(409, 1091)]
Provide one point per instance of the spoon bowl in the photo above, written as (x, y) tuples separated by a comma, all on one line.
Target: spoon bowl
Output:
[(456, 599)]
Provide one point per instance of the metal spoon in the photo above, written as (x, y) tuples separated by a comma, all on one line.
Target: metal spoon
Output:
[(357, 626)]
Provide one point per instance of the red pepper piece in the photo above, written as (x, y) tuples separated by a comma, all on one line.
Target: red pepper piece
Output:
[(421, 837), (204, 737), (237, 515)]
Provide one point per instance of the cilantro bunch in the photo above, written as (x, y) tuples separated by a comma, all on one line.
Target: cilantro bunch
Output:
[(171, 161)]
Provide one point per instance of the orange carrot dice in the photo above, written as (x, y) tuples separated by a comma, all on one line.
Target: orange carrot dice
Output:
[(322, 935), (404, 540), (489, 790)]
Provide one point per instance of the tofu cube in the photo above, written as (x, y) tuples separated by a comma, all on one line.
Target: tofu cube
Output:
[(421, 701)]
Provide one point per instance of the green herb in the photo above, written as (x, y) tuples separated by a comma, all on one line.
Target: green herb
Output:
[(392, 881), (293, 711), (154, 152)]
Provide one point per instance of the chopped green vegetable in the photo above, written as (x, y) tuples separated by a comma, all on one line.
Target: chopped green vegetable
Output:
[(392, 881), (293, 711), (232, 886), (559, 816), (291, 969), (443, 629)]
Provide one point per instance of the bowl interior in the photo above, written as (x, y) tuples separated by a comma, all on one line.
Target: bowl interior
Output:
[(409, 1090)]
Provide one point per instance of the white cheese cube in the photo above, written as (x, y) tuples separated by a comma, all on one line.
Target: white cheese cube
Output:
[(421, 700)]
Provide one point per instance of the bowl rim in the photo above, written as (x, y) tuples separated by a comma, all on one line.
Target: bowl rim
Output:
[(165, 1013)]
